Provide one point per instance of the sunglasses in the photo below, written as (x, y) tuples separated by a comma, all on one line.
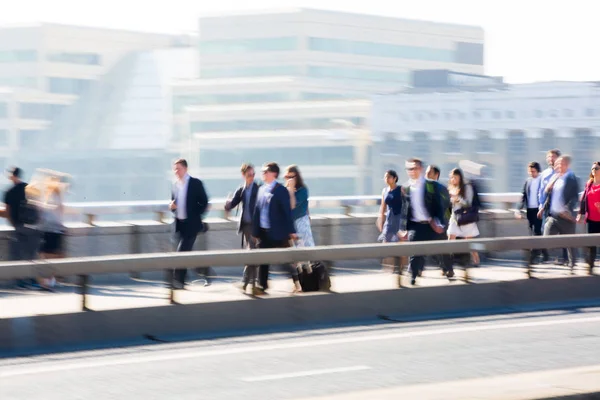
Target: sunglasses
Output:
[(411, 169), (595, 168)]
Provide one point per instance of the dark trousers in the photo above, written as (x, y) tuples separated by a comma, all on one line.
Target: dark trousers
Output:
[(185, 242), (445, 261), (557, 225), (265, 242), (248, 242), (419, 232), (592, 227), (535, 229)]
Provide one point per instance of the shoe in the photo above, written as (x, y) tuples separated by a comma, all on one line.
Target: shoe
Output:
[(444, 273), (258, 292), (420, 274), (207, 283), (450, 274), (413, 281), (178, 285)]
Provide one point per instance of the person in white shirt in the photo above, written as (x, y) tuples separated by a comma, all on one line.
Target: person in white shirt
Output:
[(530, 203)]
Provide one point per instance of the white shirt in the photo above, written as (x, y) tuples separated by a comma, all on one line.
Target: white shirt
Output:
[(181, 197), (532, 196), (264, 201), (558, 203), (417, 200)]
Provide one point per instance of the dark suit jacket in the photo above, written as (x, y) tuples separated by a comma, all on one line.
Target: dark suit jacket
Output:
[(436, 200), (570, 195), (525, 196), (196, 205), (240, 197), (280, 215)]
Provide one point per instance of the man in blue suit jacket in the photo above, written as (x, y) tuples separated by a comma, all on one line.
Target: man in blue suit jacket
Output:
[(272, 223)]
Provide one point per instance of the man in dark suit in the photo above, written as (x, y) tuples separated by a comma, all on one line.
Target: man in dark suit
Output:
[(246, 195), (425, 214), (530, 203), (445, 260), (562, 198), (188, 202), (272, 222)]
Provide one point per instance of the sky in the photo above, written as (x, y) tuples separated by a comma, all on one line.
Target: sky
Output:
[(526, 40)]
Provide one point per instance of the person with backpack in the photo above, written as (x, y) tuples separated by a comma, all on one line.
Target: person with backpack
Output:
[(465, 210), (424, 214), (23, 217)]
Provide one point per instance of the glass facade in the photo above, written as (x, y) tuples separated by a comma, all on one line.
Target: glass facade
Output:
[(3, 137), (28, 137), (517, 168), (17, 56), (373, 49), (179, 102), (68, 85), (241, 72), (269, 124), (240, 46), (335, 155), (19, 81), (322, 71), (75, 58), (43, 111), (3, 110)]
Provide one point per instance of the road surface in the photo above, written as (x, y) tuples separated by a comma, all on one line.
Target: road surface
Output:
[(313, 364)]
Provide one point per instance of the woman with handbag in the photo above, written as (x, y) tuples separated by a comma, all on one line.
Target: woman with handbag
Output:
[(590, 209), (463, 221)]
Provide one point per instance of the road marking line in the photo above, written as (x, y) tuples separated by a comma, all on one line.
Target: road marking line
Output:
[(306, 373), (47, 367)]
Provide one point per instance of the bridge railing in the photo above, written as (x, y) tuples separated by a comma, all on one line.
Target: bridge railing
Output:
[(91, 211), (83, 267)]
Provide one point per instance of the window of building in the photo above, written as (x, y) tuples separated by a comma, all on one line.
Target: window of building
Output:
[(323, 155), (179, 102), (590, 112), (241, 46), (391, 145), (469, 53), (568, 113), (4, 138), (448, 116), (373, 49), (485, 143), (539, 113), (17, 56), (74, 58), (477, 114), (584, 146), (422, 146), (3, 110), (28, 137), (19, 81), (68, 85), (322, 71), (42, 111), (269, 124), (497, 114), (329, 96), (510, 114), (452, 143), (240, 72), (517, 148)]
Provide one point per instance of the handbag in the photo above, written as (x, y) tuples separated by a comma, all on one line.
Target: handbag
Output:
[(467, 215)]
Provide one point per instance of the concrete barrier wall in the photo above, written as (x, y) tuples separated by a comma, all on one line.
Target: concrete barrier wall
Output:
[(47, 332), (109, 238)]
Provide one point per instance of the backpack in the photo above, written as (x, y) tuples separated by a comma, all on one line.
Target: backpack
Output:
[(476, 203), (29, 213)]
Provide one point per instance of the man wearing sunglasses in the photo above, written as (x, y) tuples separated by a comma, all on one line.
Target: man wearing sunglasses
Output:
[(425, 214), (272, 223), (246, 195)]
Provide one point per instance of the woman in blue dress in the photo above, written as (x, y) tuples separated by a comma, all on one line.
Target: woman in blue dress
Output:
[(390, 212)]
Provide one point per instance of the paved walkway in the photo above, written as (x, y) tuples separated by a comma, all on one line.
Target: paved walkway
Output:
[(128, 293)]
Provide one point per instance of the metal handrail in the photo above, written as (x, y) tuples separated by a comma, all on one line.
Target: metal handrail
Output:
[(160, 208), (86, 266)]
